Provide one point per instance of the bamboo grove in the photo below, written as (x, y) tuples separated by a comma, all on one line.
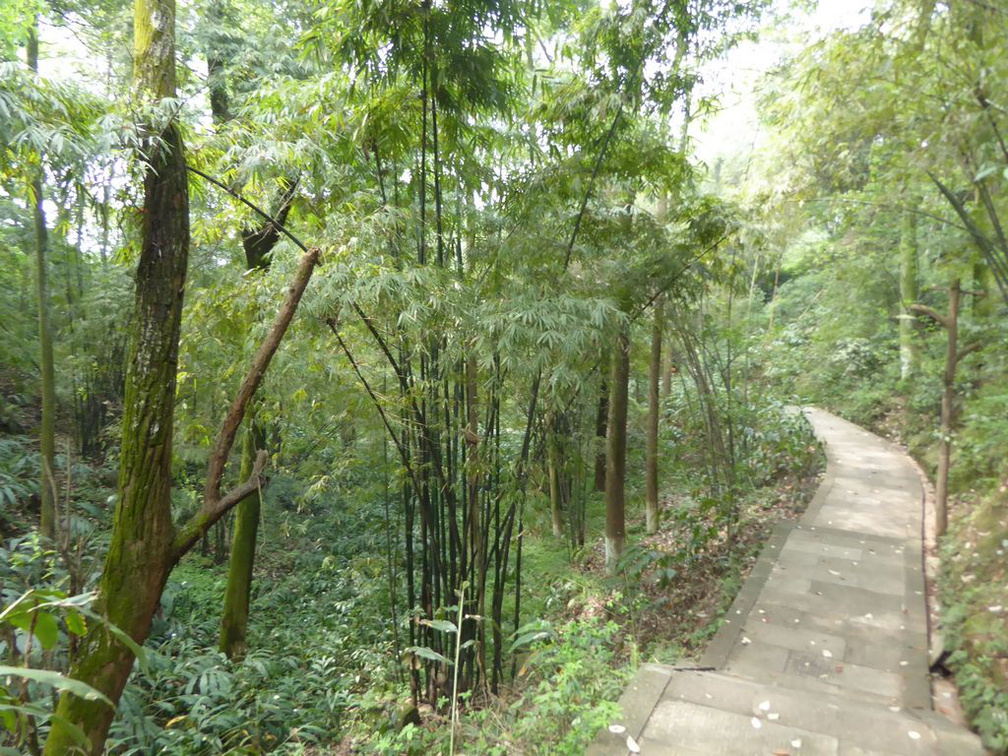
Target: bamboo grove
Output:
[(462, 336)]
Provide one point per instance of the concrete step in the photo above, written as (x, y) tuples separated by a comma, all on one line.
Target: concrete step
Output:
[(673, 712), (821, 721)]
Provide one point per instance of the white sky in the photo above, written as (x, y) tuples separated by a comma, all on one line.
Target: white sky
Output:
[(734, 128)]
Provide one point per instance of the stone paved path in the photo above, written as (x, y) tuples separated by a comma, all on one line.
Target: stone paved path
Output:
[(824, 650)]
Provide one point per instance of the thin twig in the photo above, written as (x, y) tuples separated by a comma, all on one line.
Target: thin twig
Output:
[(237, 195)]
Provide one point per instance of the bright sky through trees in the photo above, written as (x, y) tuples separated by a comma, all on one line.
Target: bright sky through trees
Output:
[(733, 77)]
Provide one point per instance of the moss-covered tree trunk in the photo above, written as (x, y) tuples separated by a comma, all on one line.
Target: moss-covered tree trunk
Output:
[(654, 411), (234, 620), (140, 554), (616, 438), (47, 428), (144, 545)]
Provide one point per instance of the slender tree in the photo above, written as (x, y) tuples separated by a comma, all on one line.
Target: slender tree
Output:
[(654, 411), (47, 429), (953, 355), (615, 523), (909, 291)]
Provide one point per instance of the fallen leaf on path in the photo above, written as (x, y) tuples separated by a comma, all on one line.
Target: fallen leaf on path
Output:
[(617, 729)]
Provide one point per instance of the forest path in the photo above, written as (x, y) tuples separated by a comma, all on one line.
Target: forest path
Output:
[(825, 649)]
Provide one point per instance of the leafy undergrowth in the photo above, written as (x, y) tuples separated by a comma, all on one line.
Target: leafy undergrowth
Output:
[(323, 675), (666, 604), (684, 590), (974, 595)]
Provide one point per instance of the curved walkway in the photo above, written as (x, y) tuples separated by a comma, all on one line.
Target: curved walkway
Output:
[(824, 651)]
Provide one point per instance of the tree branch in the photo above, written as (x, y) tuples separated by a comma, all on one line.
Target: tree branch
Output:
[(266, 216), (258, 243), (366, 320), (261, 361), (976, 346), (214, 505), (197, 525), (936, 316), (403, 455), (987, 247)]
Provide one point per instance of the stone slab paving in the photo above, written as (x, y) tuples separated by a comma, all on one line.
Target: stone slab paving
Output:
[(825, 649)]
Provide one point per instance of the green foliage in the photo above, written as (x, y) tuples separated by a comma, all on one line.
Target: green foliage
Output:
[(31, 628), (872, 126), (19, 476), (569, 689), (973, 620)]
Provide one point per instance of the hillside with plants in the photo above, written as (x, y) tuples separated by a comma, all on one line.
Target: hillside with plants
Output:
[(397, 377)]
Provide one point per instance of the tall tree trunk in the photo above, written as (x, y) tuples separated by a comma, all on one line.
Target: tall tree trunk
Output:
[(601, 419), (953, 355), (141, 548), (654, 411), (144, 545), (947, 411), (908, 294), (553, 471), (615, 526), (669, 371), (47, 430)]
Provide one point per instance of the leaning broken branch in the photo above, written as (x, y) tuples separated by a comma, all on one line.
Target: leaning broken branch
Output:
[(198, 525), (215, 505)]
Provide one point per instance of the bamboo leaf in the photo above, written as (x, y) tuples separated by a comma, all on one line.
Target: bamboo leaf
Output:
[(443, 626), (58, 681), (427, 653)]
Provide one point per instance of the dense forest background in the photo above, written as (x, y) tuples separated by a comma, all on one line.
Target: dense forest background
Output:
[(396, 376)]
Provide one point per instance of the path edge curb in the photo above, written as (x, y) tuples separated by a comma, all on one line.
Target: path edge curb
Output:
[(718, 650), (642, 694)]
